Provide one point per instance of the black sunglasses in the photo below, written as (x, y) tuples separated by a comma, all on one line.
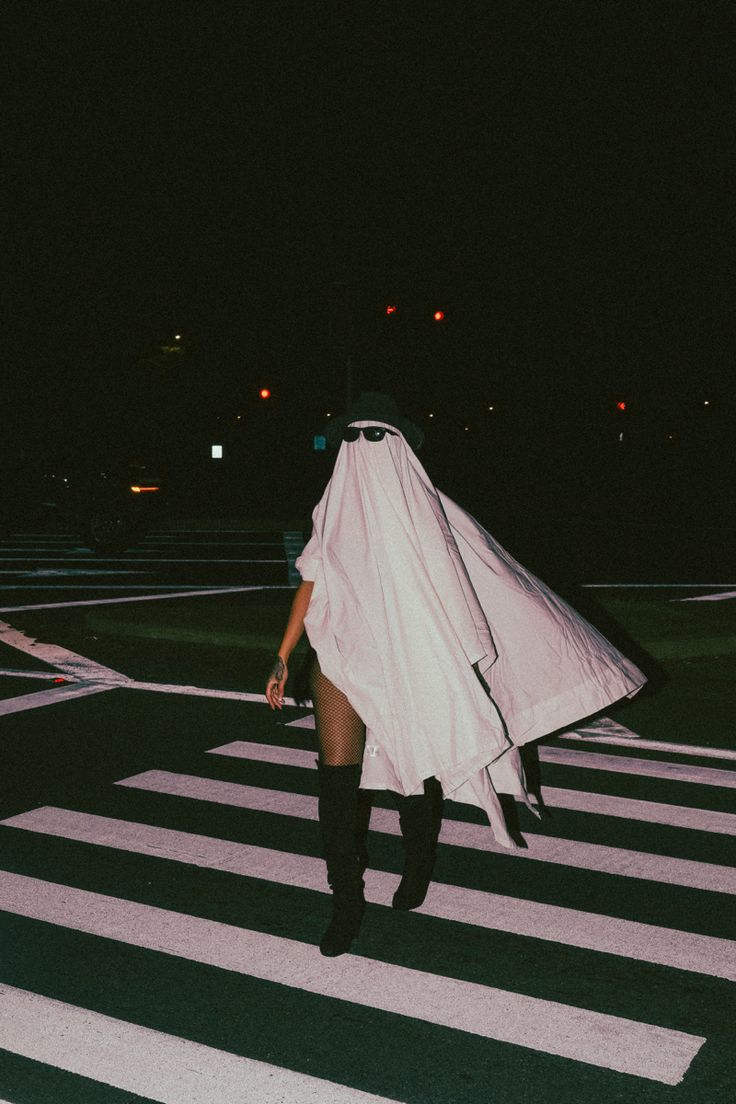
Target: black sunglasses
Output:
[(371, 433)]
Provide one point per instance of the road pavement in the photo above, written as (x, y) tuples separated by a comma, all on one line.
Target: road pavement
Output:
[(162, 896)]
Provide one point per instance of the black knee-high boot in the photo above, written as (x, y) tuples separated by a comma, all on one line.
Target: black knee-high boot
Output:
[(338, 803), (420, 817)]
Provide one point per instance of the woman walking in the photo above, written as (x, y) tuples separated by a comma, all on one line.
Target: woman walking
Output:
[(434, 656)]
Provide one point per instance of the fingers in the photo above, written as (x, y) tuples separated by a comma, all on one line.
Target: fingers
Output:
[(275, 693)]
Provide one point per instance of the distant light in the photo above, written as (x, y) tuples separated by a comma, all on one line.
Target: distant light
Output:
[(177, 337), (136, 489), (391, 309), (438, 315), (431, 415), (238, 417), (707, 402), (328, 415), (491, 408), (217, 452), (265, 393), (59, 680), (467, 428), (621, 405)]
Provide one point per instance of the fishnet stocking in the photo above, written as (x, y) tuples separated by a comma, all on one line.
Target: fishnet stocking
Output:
[(340, 731)]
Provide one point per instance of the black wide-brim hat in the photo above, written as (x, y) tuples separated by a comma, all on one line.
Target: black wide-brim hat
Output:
[(373, 406)]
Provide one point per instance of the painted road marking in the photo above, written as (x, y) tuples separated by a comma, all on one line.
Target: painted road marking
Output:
[(149, 1063), (656, 586), (198, 593), (86, 670), (48, 697), (633, 809), (674, 772), (68, 662), (169, 542), (596, 1038), (114, 586), (200, 691), (708, 597), (591, 931), (13, 672), (651, 745), (67, 572), (652, 812), (620, 861), (132, 559)]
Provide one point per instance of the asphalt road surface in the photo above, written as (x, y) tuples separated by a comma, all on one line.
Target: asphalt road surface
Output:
[(161, 894)]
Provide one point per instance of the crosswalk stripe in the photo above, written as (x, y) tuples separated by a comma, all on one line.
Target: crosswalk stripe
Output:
[(596, 1038), (641, 744), (651, 812), (674, 772), (131, 559), (610, 935), (152, 1064), (680, 816), (47, 697), (562, 852), (593, 760)]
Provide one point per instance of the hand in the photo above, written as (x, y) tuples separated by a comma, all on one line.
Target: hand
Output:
[(276, 683)]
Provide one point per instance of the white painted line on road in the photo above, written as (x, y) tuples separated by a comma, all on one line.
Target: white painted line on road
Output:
[(223, 530), (169, 542), (48, 697), (303, 722), (704, 820), (200, 691), (604, 726), (624, 764), (133, 559), (67, 573), (595, 1038), (267, 753), (86, 670), (652, 812), (191, 587), (708, 597), (15, 672), (653, 745), (547, 849), (152, 1064), (655, 586), (701, 954), (199, 593)]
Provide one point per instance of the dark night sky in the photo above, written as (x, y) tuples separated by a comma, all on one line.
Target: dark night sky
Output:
[(559, 174)]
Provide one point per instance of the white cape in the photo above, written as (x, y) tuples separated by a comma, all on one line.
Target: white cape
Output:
[(413, 600)]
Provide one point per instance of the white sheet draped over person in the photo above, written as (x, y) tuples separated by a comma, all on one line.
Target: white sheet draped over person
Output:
[(448, 649)]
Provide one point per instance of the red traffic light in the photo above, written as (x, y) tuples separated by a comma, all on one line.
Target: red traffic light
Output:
[(391, 308), (621, 405), (438, 315), (264, 393)]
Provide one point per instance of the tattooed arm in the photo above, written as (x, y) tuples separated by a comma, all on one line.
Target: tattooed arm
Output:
[(292, 636)]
